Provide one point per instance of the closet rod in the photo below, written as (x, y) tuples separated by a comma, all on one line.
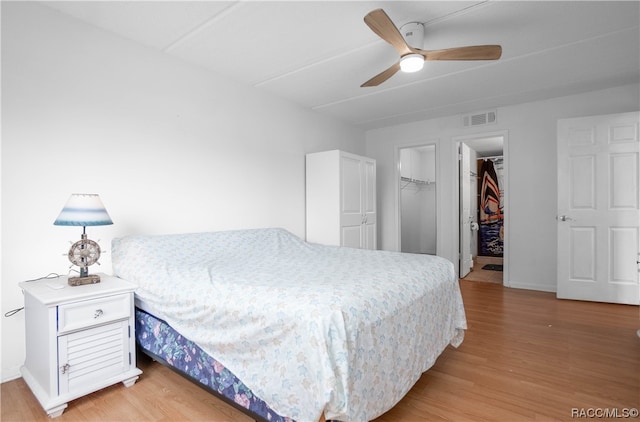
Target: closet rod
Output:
[(417, 181), (492, 157)]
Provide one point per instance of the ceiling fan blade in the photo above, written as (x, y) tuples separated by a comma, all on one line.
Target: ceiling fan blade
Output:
[(382, 76), (476, 52), (381, 24)]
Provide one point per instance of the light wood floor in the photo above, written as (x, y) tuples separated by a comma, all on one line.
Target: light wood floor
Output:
[(479, 274), (526, 357)]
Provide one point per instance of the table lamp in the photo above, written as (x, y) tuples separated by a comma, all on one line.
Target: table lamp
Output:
[(84, 209)]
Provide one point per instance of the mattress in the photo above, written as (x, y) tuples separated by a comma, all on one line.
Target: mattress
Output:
[(307, 328)]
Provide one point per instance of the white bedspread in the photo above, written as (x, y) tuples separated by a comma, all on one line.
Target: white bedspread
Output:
[(308, 328)]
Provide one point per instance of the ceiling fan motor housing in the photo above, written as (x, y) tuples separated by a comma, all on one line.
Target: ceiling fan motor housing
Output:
[(413, 33)]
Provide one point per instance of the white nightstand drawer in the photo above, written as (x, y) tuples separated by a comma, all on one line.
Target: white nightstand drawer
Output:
[(87, 313)]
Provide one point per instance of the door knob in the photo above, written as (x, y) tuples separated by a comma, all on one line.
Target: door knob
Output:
[(564, 218)]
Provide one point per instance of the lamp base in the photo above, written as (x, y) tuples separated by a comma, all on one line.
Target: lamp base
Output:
[(79, 281)]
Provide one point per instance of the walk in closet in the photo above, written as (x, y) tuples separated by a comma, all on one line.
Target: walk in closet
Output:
[(418, 199)]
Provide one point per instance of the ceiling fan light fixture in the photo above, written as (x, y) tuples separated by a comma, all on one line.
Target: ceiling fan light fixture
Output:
[(412, 63)]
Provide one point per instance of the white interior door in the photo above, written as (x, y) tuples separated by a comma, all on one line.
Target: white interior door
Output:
[(599, 208), (466, 261)]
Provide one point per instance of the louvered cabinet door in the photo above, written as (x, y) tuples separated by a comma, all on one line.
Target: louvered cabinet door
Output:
[(90, 356)]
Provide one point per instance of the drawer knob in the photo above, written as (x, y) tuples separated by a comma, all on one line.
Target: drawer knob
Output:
[(98, 314)]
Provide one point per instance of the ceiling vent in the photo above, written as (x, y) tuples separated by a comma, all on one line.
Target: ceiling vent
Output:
[(479, 119)]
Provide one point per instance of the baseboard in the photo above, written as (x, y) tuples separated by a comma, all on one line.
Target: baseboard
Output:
[(552, 288), (12, 377)]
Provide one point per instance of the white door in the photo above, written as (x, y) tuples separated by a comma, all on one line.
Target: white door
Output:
[(466, 261), (599, 208)]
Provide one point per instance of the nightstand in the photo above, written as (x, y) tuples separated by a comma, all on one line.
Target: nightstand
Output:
[(79, 339)]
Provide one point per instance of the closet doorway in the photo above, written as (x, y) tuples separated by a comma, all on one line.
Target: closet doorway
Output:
[(482, 210), (417, 199)]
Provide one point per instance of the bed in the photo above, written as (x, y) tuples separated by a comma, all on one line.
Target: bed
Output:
[(290, 330)]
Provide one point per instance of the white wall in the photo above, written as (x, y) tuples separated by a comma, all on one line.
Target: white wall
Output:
[(531, 176), (169, 148)]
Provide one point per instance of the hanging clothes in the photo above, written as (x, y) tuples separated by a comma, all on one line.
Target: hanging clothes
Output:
[(491, 212)]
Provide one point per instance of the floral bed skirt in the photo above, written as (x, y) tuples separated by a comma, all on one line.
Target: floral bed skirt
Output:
[(157, 338)]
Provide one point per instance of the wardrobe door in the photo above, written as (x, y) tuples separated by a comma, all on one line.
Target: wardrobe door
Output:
[(341, 199), (369, 239), (351, 201)]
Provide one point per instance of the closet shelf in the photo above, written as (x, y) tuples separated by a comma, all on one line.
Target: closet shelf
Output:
[(420, 184)]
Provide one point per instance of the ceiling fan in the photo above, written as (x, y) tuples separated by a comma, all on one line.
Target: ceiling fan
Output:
[(411, 58)]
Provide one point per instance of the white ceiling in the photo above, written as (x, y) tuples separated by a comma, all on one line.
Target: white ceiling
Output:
[(317, 53)]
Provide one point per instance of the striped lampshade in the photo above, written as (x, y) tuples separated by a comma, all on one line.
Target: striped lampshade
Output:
[(83, 209)]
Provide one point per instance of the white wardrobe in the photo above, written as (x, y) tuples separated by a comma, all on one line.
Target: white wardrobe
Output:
[(341, 199)]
